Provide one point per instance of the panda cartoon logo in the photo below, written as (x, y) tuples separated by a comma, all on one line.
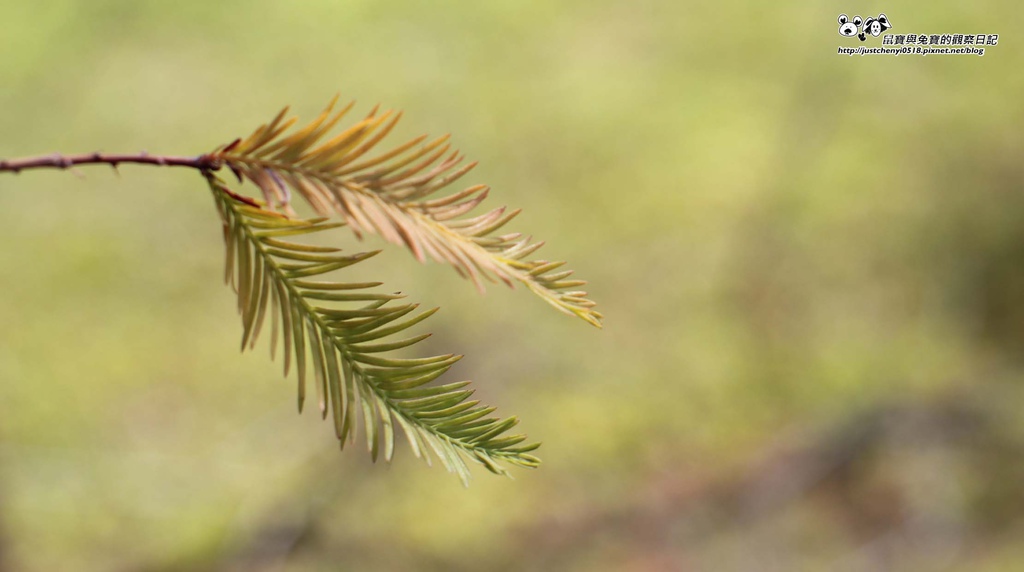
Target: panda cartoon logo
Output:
[(848, 27), (874, 26)]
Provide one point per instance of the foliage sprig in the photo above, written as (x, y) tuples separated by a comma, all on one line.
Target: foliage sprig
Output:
[(387, 194), (338, 335)]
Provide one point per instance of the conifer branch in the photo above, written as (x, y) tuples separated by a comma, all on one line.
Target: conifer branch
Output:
[(340, 330)]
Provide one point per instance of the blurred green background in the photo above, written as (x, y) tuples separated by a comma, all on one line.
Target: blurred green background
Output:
[(812, 268)]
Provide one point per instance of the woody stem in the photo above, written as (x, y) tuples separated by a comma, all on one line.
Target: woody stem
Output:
[(58, 161)]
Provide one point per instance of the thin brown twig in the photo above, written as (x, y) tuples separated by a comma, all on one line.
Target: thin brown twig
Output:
[(58, 161)]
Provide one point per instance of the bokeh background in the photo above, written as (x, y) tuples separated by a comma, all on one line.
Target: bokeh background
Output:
[(812, 268)]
